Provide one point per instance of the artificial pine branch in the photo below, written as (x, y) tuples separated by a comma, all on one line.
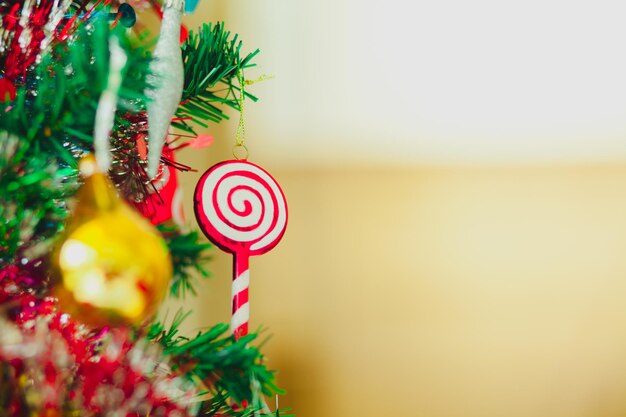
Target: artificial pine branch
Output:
[(212, 59), (226, 366), (188, 255), (32, 190), (56, 107)]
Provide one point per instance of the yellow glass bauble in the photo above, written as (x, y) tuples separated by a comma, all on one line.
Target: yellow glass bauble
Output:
[(112, 267)]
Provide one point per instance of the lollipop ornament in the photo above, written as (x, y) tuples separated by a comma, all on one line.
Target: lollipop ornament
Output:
[(242, 209)]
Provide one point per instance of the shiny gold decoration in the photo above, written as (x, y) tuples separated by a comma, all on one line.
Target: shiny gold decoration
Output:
[(112, 267)]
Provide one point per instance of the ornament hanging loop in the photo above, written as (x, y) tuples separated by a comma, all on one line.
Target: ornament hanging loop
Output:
[(240, 152)]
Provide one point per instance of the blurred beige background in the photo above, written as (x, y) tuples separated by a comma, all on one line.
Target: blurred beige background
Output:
[(456, 178)]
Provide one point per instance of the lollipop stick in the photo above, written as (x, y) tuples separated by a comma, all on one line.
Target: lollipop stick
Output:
[(241, 306)]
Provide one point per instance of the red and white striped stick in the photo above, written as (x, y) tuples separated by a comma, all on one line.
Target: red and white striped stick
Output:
[(241, 306), (242, 209)]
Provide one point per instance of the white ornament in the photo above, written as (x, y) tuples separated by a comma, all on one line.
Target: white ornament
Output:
[(166, 80)]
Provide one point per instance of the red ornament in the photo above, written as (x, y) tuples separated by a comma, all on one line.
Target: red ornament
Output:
[(241, 208), (165, 201), (7, 90)]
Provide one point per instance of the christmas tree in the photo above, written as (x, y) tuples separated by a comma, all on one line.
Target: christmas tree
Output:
[(90, 245)]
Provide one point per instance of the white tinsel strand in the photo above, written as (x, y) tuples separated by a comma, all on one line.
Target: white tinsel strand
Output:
[(56, 14), (25, 36), (166, 82), (105, 115)]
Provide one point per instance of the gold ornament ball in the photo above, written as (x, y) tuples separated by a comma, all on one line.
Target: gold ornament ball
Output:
[(112, 267)]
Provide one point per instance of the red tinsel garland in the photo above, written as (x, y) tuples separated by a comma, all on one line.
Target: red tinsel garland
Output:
[(27, 28), (56, 363)]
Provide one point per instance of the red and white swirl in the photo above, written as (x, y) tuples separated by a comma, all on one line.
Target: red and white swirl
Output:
[(243, 205)]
